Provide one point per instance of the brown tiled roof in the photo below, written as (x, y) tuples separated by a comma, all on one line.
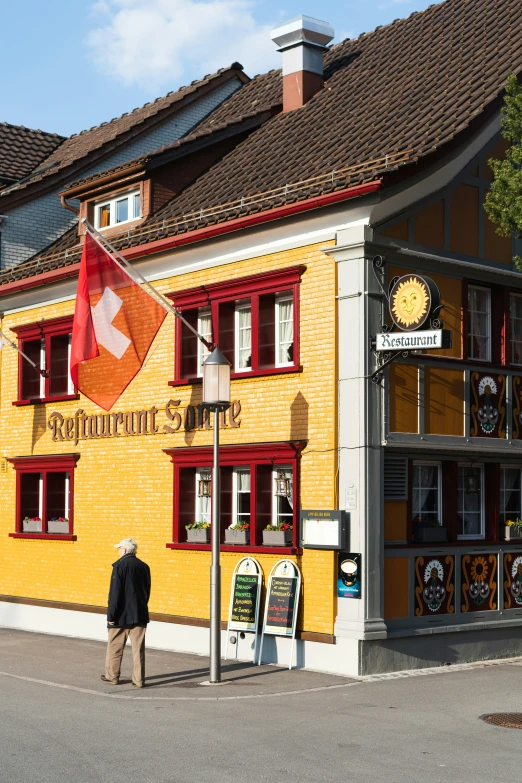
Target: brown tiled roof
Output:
[(242, 111), (82, 145), (22, 149), (393, 98)]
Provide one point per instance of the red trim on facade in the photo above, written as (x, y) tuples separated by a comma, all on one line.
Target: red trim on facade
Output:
[(62, 398), (267, 550), (235, 376), (201, 456), (276, 213), (44, 536), (36, 281), (55, 463), (450, 499), (229, 456), (464, 311), (265, 282), (45, 330), (219, 294), (199, 235), (492, 501), (53, 326), (409, 503)]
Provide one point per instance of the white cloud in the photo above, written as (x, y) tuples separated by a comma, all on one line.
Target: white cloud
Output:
[(156, 43)]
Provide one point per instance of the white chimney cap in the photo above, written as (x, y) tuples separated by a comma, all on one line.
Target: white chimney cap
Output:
[(302, 29)]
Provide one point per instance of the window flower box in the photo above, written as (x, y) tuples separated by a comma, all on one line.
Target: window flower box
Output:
[(277, 537), (237, 537), (512, 533), (198, 535), (32, 525), (58, 526)]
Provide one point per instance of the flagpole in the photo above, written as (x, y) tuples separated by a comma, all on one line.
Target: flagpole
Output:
[(43, 373), (153, 292)]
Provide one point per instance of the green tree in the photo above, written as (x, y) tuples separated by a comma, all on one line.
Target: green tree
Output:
[(503, 203)]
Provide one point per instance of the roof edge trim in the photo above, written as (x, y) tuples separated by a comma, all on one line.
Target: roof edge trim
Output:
[(200, 234)]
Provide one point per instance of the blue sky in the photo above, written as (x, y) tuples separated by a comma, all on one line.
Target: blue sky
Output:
[(71, 64)]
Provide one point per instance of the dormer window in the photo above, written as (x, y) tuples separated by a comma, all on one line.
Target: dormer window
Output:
[(119, 209)]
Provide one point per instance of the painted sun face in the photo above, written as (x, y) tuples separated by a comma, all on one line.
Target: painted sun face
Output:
[(410, 302)]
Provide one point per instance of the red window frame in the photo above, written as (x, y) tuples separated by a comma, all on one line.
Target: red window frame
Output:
[(45, 330), (253, 456), (218, 294), (65, 463), (507, 340)]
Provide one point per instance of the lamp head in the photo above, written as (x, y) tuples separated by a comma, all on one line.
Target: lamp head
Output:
[(216, 380)]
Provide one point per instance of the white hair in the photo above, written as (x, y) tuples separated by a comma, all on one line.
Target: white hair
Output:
[(129, 545)]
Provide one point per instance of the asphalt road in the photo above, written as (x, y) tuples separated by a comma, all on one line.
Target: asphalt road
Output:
[(59, 723)]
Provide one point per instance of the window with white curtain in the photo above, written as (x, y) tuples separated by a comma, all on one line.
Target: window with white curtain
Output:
[(282, 507), (243, 343), (203, 504), (241, 496), (284, 323), (470, 510), (515, 319), (205, 330), (510, 496), (479, 323), (426, 496)]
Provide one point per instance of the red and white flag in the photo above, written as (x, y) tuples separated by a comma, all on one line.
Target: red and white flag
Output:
[(115, 323)]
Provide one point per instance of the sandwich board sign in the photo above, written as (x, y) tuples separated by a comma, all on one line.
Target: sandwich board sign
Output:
[(245, 593), (282, 603)]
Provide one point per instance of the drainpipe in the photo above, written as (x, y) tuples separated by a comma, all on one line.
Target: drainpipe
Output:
[(68, 206)]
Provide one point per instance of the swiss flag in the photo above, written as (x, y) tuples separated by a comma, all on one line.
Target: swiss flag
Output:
[(115, 323)]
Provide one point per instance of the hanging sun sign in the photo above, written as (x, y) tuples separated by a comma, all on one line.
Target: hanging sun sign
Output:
[(414, 301)]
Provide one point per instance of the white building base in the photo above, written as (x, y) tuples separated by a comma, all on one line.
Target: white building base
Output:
[(341, 658)]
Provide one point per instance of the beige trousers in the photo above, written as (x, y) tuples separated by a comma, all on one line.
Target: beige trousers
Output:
[(115, 646)]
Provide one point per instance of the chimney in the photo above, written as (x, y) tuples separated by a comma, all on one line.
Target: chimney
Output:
[(302, 42)]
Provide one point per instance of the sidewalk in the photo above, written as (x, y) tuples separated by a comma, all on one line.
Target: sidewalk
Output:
[(77, 664)]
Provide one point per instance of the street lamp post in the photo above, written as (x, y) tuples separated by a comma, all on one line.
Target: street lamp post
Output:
[(216, 397)]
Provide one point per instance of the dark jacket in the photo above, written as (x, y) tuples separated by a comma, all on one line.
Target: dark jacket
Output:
[(129, 592)]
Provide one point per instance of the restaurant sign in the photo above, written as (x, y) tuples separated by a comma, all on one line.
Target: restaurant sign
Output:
[(148, 421), (422, 340), (413, 302)]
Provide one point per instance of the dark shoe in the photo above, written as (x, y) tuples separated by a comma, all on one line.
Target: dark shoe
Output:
[(111, 682), (137, 686)]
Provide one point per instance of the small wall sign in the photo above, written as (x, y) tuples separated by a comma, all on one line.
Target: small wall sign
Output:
[(350, 498), (323, 529), (349, 575)]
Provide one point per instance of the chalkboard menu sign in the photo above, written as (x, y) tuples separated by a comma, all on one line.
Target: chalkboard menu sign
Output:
[(281, 606), (244, 604)]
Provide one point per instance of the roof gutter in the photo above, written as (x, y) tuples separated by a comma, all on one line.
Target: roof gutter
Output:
[(277, 213), (200, 234)]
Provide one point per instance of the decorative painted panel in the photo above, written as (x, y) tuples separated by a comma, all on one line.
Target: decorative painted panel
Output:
[(434, 585), (488, 405), (512, 580), (479, 582), (517, 407)]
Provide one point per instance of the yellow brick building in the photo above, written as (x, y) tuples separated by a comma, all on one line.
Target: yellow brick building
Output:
[(123, 486)]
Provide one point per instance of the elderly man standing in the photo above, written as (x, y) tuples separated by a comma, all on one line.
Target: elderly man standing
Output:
[(128, 613)]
